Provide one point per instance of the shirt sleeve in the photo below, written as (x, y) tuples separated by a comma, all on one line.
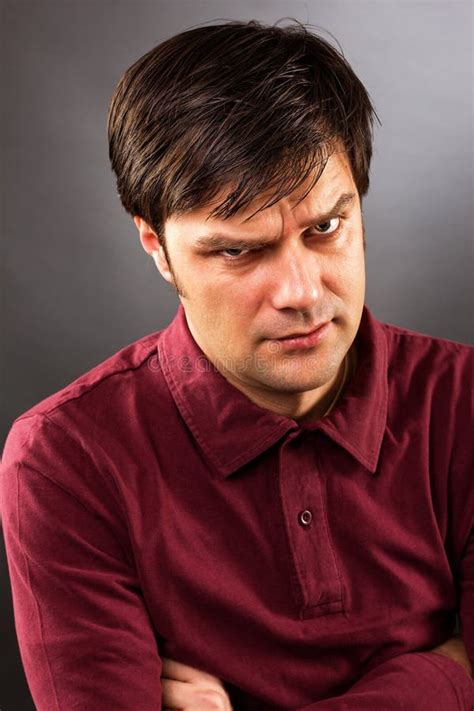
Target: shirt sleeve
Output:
[(460, 496), (467, 597), (418, 681), (85, 637), (462, 517)]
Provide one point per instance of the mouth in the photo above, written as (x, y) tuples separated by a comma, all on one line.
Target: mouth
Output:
[(303, 333), (309, 339)]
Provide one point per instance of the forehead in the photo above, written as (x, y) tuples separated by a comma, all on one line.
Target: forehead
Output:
[(335, 180)]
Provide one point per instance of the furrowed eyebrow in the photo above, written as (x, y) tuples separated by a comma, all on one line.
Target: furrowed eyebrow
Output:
[(217, 240)]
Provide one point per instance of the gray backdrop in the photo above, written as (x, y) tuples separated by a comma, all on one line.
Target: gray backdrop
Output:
[(76, 283)]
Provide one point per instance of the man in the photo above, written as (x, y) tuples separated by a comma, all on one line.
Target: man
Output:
[(267, 504)]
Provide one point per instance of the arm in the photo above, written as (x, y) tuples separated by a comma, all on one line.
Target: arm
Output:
[(84, 634), (418, 681), (455, 649), (467, 597)]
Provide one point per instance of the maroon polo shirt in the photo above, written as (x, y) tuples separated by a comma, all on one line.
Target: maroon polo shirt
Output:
[(150, 508)]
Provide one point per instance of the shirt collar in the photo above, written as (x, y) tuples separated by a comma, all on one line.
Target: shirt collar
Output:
[(231, 430)]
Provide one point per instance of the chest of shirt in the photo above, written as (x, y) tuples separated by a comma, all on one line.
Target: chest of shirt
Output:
[(302, 549)]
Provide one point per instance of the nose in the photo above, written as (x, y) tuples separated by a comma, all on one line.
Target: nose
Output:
[(296, 279)]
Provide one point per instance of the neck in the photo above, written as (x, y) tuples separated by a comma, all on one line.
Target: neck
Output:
[(325, 406), (313, 411)]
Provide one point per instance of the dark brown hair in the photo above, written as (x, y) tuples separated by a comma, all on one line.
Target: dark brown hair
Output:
[(241, 104)]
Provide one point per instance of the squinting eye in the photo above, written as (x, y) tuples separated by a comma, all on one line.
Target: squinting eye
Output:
[(327, 228), (234, 249), (328, 231), (235, 257)]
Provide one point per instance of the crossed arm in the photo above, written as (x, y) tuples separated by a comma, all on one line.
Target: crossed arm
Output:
[(184, 687)]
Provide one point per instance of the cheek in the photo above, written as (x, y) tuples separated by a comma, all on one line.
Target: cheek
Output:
[(343, 278), (237, 293), (225, 310), (350, 270)]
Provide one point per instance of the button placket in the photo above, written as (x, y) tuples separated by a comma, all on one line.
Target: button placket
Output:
[(317, 584)]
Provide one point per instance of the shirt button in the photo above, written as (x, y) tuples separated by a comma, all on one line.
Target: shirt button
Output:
[(305, 517)]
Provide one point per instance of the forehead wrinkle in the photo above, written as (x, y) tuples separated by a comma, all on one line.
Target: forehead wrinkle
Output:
[(216, 240)]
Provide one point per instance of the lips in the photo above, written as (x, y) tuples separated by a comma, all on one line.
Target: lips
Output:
[(303, 333)]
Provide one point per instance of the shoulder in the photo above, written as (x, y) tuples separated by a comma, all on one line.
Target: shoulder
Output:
[(429, 381), (431, 405), (430, 360), (125, 364), (78, 416)]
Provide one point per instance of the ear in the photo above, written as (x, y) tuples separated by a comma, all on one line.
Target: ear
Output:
[(151, 245)]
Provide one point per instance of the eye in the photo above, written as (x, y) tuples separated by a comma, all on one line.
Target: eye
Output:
[(327, 226), (242, 252), (235, 254), (234, 249)]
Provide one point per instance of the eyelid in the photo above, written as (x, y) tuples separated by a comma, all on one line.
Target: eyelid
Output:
[(328, 219), (247, 250)]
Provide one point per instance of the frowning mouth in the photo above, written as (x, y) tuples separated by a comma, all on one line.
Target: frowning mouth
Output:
[(303, 340), (305, 333)]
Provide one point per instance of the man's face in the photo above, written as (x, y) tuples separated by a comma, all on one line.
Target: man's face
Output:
[(298, 269)]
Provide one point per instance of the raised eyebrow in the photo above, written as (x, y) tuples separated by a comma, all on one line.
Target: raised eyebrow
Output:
[(218, 241), (340, 203)]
